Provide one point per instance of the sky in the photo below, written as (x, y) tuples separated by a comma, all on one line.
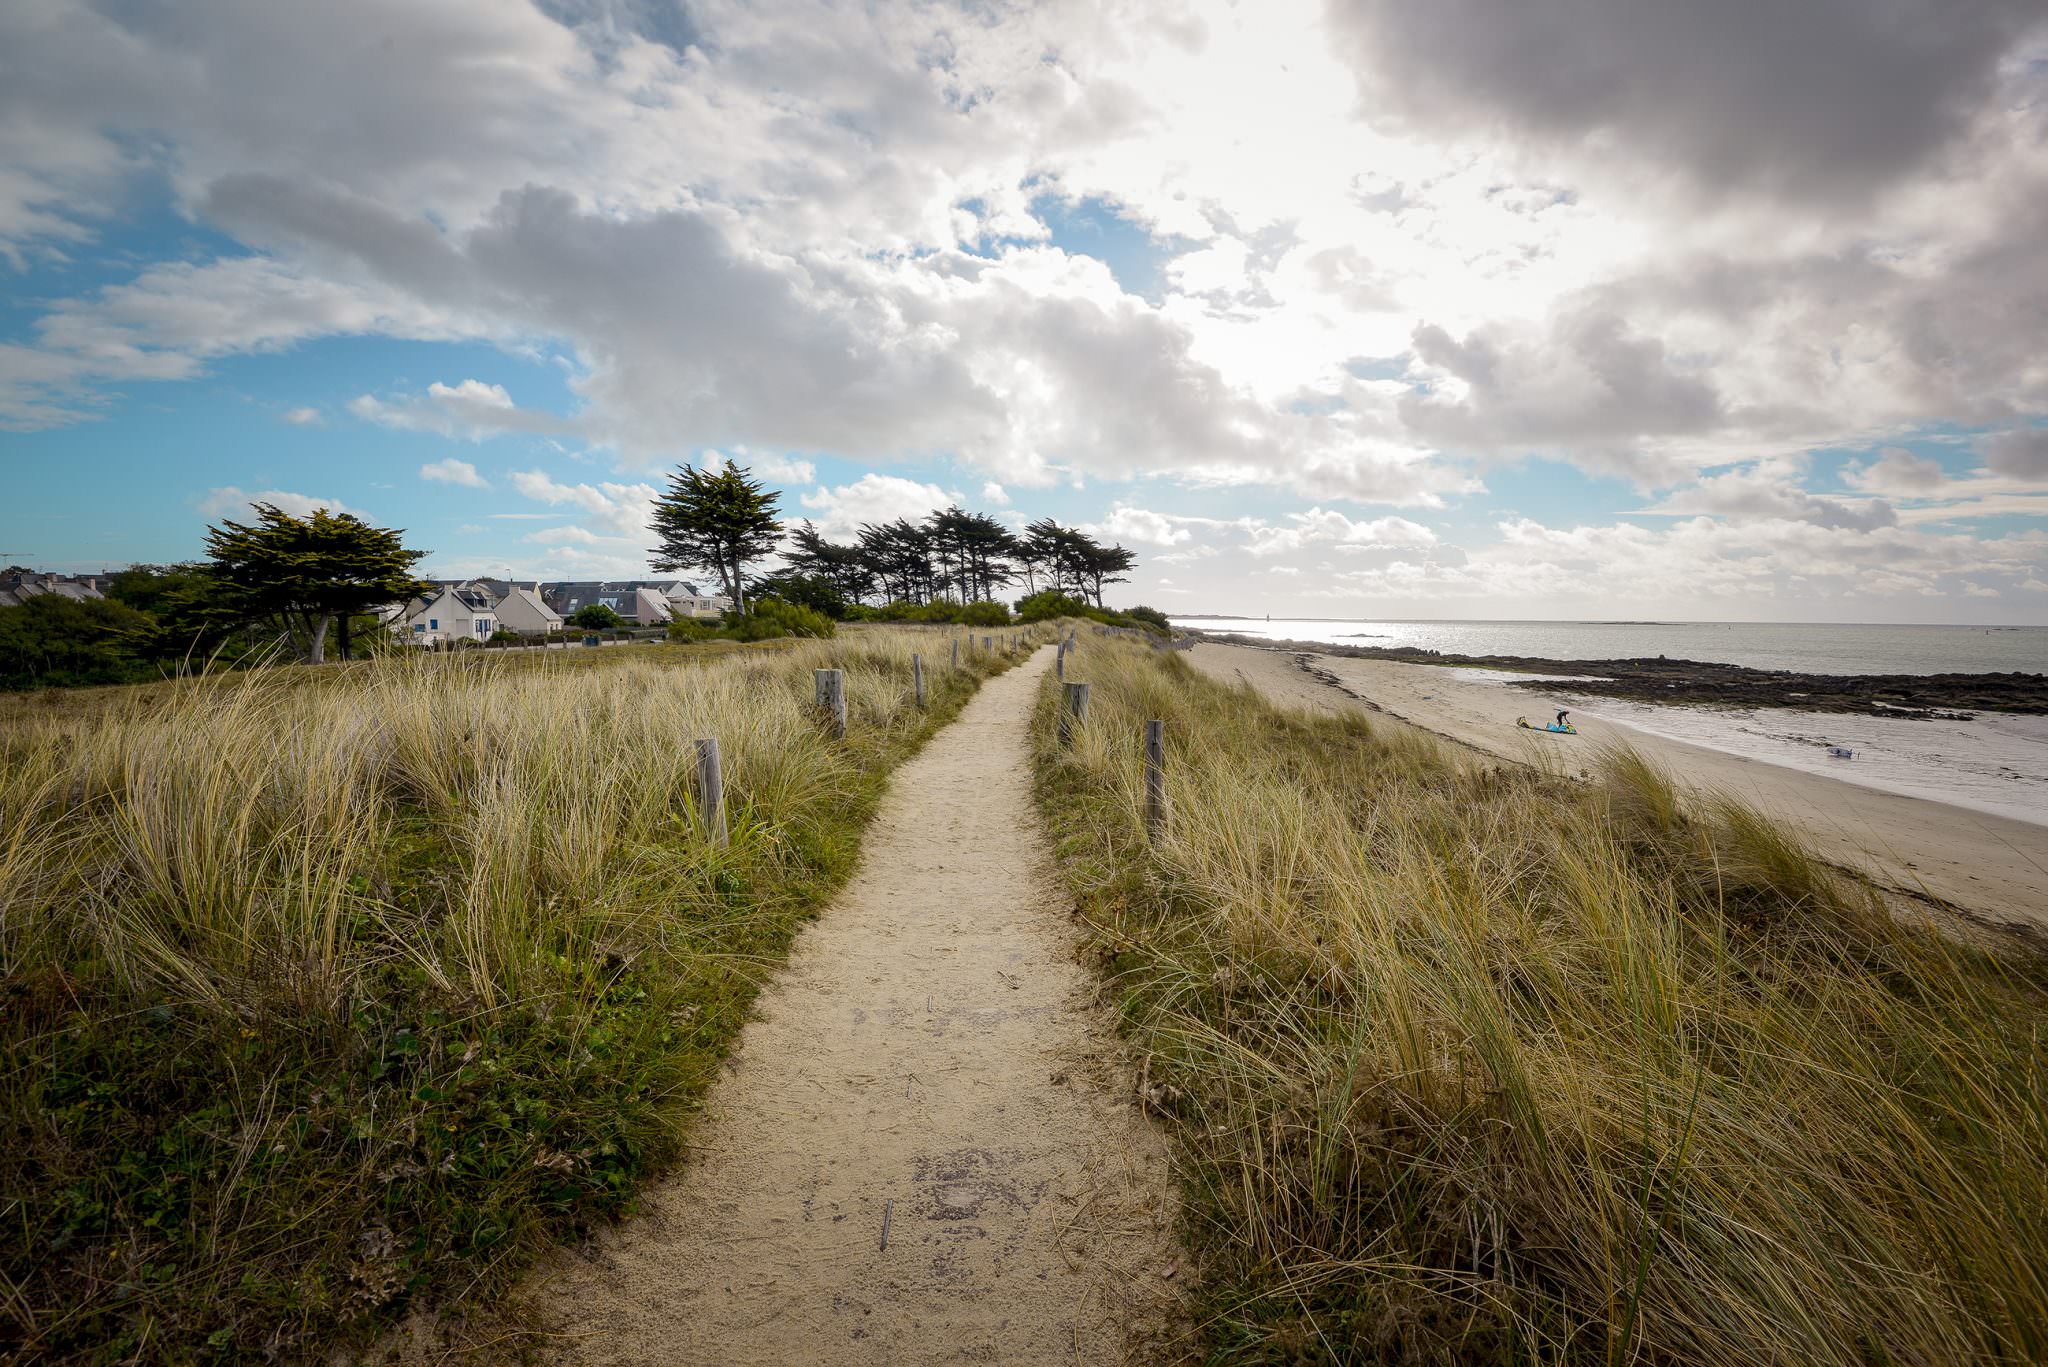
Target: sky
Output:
[(1701, 309)]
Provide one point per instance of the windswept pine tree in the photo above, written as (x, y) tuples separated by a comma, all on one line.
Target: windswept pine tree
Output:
[(720, 521), (303, 574), (952, 556)]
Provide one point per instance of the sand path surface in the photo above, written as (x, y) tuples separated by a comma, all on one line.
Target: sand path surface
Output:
[(932, 1061), (1993, 868)]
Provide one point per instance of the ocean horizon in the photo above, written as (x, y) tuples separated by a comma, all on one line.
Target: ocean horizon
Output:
[(1804, 647), (1989, 762)]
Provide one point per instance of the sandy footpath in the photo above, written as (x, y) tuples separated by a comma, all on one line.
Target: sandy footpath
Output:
[(1992, 867), (931, 1062)]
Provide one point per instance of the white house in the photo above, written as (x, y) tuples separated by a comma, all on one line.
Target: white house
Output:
[(522, 610), (457, 612), (690, 603)]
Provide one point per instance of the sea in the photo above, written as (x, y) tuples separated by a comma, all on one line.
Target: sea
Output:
[(1996, 762), (1809, 647)]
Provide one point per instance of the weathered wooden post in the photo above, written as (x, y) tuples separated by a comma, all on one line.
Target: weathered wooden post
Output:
[(1155, 778), (1059, 662), (832, 698), (1073, 711), (917, 675), (988, 644), (711, 792), (956, 652)]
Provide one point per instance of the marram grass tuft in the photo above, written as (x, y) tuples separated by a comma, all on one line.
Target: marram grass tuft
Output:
[(327, 993), (1470, 1063)]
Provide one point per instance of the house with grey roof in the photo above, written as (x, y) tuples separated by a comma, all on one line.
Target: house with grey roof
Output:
[(18, 584), (644, 602)]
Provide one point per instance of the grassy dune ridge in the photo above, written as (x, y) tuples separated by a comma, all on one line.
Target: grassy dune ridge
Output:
[(1466, 1062), (322, 993)]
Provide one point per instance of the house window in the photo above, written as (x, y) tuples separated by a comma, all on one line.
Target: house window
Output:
[(483, 626), (434, 622), (419, 626)]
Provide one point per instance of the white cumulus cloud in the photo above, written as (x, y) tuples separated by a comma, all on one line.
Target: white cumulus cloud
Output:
[(239, 504), (840, 512), (452, 471)]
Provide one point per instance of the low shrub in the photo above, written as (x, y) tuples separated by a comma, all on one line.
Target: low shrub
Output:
[(689, 630), (767, 618), (1150, 617), (595, 617), (1046, 604), (983, 614)]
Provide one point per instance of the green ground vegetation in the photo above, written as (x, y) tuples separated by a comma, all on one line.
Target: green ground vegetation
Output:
[(1049, 605), (1469, 1063), (328, 993), (765, 619)]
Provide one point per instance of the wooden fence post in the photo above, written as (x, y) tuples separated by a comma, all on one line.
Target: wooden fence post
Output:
[(917, 676), (1074, 710), (1155, 778), (1059, 662), (832, 698), (956, 652), (711, 792), (988, 643)]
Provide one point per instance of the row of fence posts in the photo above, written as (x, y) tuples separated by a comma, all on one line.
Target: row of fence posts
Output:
[(1074, 712), (830, 685)]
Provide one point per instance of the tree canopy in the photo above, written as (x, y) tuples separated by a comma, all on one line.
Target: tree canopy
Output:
[(720, 521), (55, 641), (951, 556), (301, 574), (595, 617)]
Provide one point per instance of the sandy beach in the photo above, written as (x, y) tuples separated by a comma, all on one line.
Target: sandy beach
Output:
[(1991, 868)]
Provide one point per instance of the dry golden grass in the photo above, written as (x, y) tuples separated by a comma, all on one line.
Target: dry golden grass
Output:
[(1471, 1063), (323, 991)]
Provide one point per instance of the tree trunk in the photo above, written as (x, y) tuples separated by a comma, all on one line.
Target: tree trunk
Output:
[(316, 652), (347, 646)]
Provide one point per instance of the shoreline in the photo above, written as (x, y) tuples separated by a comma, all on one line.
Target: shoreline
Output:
[(1709, 683), (1977, 863)]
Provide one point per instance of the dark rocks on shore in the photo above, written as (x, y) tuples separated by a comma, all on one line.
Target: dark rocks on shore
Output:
[(1703, 682)]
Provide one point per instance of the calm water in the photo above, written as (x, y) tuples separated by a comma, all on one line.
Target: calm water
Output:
[(1810, 648)]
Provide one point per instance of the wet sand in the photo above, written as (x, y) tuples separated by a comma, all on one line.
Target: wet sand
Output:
[(1991, 868)]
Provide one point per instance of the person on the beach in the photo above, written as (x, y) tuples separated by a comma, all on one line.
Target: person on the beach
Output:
[(1562, 713)]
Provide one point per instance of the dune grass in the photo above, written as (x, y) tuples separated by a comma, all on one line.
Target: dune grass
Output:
[(1470, 1063), (328, 993)]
